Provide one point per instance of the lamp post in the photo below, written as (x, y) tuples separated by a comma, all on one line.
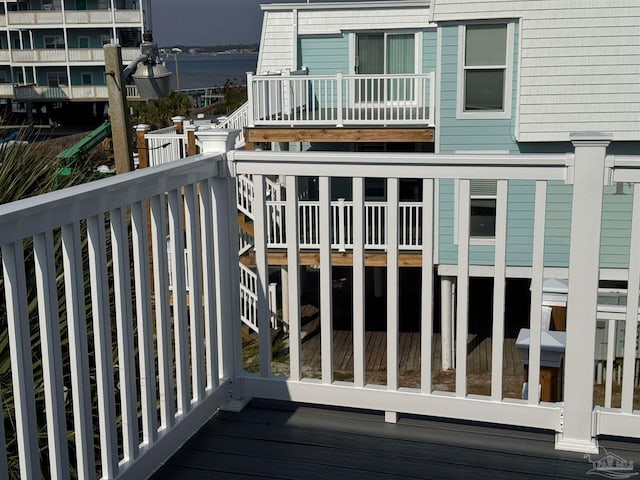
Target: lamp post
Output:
[(174, 53), (152, 80)]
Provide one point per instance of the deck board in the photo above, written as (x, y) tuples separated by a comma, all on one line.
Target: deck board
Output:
[(290, 441)]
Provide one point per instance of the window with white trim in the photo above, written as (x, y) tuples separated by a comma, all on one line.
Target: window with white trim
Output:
[(482, 200), (484, 83), (483, 196)]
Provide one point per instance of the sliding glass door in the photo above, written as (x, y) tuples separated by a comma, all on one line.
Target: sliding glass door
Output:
[(379, 54)]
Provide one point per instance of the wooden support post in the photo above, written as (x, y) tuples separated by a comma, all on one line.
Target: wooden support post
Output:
[(178, 122), (118, 110), (143, 146), (192, 149)]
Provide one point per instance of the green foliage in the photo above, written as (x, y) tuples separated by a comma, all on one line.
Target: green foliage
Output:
[(235, 96), (31, 169), (157, 113), (27, 170)]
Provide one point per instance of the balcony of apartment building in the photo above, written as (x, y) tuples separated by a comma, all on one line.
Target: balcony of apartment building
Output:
[(295, 106), (35, 14)]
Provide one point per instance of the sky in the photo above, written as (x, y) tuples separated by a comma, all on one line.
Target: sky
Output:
[(209, 22)]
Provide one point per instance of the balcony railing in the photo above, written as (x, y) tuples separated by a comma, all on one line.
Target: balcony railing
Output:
[(66, 92), (46, 55), (91, 324), (72, 17), (299, 99)]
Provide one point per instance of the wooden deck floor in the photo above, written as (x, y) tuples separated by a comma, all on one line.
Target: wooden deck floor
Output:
[(478, 357), (281, 440)]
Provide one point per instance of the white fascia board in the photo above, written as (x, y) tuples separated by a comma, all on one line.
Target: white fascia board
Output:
[(345, 5)]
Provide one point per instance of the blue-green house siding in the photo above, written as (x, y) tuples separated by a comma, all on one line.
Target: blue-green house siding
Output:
[(470, 134), (324, 55), (499, 135), (429, 50)]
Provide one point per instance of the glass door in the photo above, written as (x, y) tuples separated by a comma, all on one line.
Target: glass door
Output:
[(380, 54)]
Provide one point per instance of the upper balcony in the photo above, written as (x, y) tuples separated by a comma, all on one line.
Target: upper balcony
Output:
[(40, 18), (307, 102), (65, 92), (49, 56)]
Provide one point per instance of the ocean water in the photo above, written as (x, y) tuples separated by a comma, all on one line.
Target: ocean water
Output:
[(199, 71)]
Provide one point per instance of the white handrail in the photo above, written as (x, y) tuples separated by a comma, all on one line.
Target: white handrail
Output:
[(237, 121), (91, 242), (341, 99)]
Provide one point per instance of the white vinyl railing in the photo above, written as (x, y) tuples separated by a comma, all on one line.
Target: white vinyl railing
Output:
[(342, 218), (249, 300), (392, 224), (166, 146), (245, 193), (88, 277), (299, 99), (237, 121)]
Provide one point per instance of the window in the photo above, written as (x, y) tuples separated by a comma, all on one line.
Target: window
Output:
[(86, 78), (482, 198), (83, 42), (483, 195), (56, 79), (485, 64), (53, 41)]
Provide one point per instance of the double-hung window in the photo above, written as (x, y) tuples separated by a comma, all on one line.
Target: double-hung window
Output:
[(482, 219), (484, 81), (483, 199)]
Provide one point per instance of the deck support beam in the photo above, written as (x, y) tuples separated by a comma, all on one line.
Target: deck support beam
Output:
[(338, 135)]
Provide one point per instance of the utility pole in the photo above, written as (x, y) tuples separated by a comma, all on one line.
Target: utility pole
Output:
[(118, 110)]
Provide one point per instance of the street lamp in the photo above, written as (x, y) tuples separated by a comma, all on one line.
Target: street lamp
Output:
[(152, 80), (174, 53)]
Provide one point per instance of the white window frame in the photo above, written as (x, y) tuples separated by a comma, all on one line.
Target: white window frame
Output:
[(417, 50), (456, 203), (508, 75), (418, 39)]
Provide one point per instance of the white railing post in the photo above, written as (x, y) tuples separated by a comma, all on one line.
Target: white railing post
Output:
[(217, 140), (225, 239), (341, 225), (588, 184), (251, 122), (339, 100), (432, 97)]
